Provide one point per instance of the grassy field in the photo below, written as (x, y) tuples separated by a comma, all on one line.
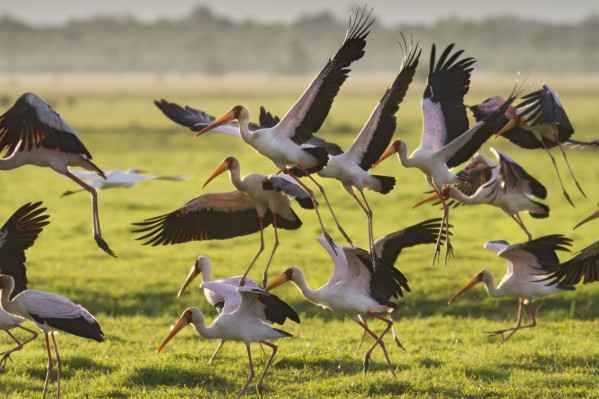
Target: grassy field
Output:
[(134, 297)]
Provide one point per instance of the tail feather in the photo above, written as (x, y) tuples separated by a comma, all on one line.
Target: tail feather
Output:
[(540, 215), (387, 183)]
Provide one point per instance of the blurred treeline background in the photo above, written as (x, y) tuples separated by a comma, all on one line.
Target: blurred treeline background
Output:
[(205, 43)]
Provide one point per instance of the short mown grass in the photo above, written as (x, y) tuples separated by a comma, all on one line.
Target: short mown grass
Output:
[(448, 353)]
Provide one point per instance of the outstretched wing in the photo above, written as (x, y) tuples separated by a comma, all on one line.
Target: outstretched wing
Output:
[(376, 134), (443, 109), (32, 121), (514, 177), (265, 306), (19, 233), (309, 112), (196, 120), (287, 185), (530, 256), (211, 216), (585, 264)]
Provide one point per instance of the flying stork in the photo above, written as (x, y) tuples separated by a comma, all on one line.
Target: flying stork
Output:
[(32, 133)]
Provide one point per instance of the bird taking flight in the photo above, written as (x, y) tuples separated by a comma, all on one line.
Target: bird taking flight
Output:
[(539, 121), (507, 186), (243, 318), (524, 277), (258, 201), (358, 286), (446, 139), (351, 167), (282, 143), (584, 264), (16, 235), (119, 178), (32, 133)]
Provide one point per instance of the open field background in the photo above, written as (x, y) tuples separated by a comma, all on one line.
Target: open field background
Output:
[(134, 296)]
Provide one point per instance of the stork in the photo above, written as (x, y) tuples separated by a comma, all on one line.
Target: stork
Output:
[(242, 319)]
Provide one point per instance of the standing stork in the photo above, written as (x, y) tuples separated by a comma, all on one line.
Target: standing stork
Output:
[(32, 133), (243, 319), (203, 266), (119, 178), (50, 313), (524, 277), (446, 139), (256, 203), (507, 186), (539, 121), (351, 167), (16, 235), (358, 286), (592, 216), (282, 142)]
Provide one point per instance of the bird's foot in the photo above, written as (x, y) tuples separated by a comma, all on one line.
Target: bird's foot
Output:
[(448, 251), (330, 241), (437, 252), (400, 345), (580, 189), (259, 389), (366, 363), (103, 245), (5, 358), (242, 281), (498, 332), (264, 279), (568, 198)]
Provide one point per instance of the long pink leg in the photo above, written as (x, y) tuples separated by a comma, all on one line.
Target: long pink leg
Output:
[(558, 175), (274, 350), (363, 320), (368, 213), (58, 366), (568, 164), (49, 366), (95, 214), (378, 341), (311, 194), (518, 220), (518, 323), (444, 223), (250, 377), (242, 281), (274, 224), (18, 347), (328, 204), (393, 331)]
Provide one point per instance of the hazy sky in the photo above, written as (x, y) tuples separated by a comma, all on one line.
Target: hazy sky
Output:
[(388, 12)]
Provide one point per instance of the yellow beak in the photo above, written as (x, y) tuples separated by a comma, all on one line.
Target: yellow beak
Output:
[(427, 199), (192, 275), (222, 168), (390, 151), (178, 327), (512, 123), (276, 282), (592, 216), (226, 118), (470, 284)]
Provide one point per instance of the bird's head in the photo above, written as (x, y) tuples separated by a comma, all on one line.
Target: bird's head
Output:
[(393, 148), (483, 275), (235, 113), (201, 263), (189, 316), (445, 193), (228, 164), (287, 275)]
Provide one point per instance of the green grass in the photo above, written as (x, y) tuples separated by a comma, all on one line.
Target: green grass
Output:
[(134, 297)]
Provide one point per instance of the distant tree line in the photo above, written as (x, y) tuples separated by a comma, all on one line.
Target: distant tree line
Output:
[(204, 42)]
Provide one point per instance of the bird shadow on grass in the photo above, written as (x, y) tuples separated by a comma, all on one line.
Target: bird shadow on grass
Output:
[(70, 366), (551, 363), (334, 367), (178, 376)]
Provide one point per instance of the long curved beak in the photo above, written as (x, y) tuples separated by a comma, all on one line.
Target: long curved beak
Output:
[(182, 322), (226, 118), (222, 168), (592, 216), (390, 151), (427, 199), (192, 275), (470, 284), (512, 123), (276, 282)]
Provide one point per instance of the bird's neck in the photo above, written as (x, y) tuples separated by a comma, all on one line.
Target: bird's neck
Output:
[(463, 198), (235, 175), (5, 301), (300, 282), (244, 131), (490, 286), (204, 330), (403, 156)]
